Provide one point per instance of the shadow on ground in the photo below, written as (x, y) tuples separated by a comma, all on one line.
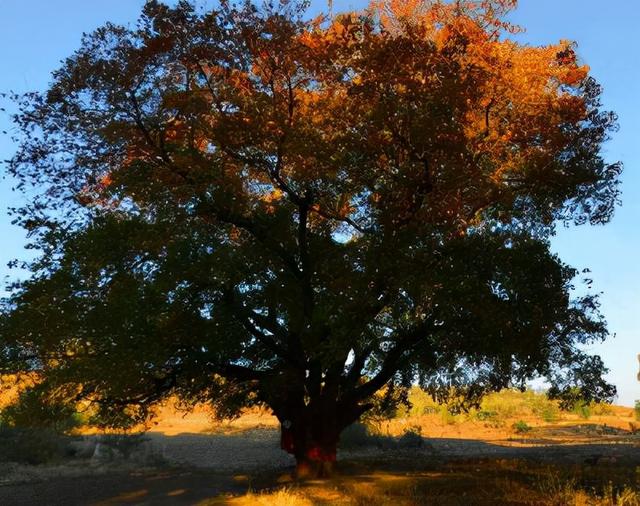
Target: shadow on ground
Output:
[(198, 468)]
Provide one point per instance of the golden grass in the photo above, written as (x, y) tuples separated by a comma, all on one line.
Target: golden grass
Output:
[(493, 421), (495, 418), (425, 417), (284, 497)]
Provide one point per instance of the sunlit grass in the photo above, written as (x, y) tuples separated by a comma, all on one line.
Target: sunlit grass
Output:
[(499, 416), (495, 483)]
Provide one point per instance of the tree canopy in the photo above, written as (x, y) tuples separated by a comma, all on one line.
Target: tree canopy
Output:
[(245, 206)]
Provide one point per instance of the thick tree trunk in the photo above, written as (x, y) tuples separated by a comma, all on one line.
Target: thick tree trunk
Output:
[(315, 462), (311, 427), (313, 441)]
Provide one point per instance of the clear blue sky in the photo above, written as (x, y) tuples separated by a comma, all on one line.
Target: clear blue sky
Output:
[(36, 34)]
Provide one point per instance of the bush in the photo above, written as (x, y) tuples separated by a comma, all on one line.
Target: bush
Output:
[(545, 409), (583, 410), (490, 418), (636, 410), (550, 414), (421, 403), (484, 415), (601, 408), (33, 446), (505, 404), (412, 438), (357, 435), (123, 444), (34, 412), (521, 427), (33, 430)]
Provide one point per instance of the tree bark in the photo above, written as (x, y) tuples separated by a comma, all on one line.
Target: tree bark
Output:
[(316, 461), (312, 438)]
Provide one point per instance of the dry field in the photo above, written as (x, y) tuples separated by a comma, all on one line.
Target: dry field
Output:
[(505, 453)]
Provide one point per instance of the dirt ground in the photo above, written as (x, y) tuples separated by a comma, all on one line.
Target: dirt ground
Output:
[(191, 459)]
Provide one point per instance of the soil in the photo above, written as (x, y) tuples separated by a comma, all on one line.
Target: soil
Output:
[(187, 460)]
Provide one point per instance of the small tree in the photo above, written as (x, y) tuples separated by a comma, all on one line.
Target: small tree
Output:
[(246, 207)]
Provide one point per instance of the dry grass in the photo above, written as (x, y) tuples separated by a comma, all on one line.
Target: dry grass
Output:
[(497, 416), (494, 421), (427, 479), (463, 484)]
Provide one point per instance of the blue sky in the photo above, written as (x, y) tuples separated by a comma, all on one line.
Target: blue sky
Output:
[(35, 35)]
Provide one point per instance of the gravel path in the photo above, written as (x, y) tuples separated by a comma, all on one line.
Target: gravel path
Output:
[(250, 450)]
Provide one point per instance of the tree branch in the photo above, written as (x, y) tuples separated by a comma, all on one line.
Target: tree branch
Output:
[(249, 318), (392, 362)]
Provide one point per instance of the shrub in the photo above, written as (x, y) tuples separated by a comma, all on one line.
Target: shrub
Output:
[(412, 438), (490, 418), (636, 410), (357, 435), (421, 403), (505, 404), (33, 446), (601, 408), (583, 410), (360, 435), (123, 444), (32, 430), (35, 412), (484, 415), (521, 427), (550, 414), (545, 409)]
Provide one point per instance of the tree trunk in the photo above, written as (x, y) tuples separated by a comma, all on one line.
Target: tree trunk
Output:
[(310, 429), (313, 441), (316, 462)]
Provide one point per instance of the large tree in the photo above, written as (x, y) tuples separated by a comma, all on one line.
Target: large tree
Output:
[(244, 206)]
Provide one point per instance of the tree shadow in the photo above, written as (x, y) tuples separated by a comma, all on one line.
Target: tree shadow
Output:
[(201, 467)]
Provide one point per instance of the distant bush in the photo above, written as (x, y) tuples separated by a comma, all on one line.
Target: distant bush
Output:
[(521, 427), (636, 410), (412, 438), (601, 409), (34, 430), (34, 412), (583, 410), (509, 404), (506, 404), (360, 435), (489, 418), (499, 408), (546, 409), (550, 414), (33, 446), (484, 415), (357, 435), (123, 445), (421, 403)]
